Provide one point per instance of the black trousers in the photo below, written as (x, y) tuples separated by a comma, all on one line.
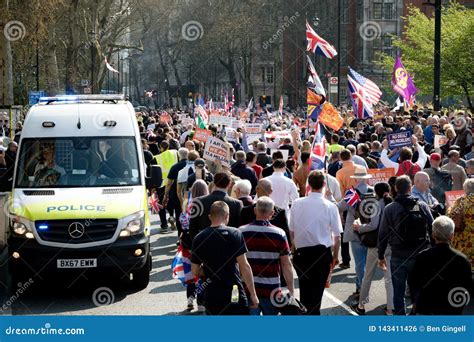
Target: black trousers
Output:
[(346, 256), (232, 310), (312, 266), (174, 208), (160, 192)]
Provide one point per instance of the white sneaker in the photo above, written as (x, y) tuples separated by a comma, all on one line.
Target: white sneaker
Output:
[(201, 308), (190, 303)]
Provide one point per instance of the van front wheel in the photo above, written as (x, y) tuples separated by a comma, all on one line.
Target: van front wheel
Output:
[(141, 277)]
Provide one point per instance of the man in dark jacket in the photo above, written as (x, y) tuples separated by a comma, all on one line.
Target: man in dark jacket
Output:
[(263, 159), (10, 157), (243, 171), (201, 206), (406, 226), (279, 219), (442, 275)]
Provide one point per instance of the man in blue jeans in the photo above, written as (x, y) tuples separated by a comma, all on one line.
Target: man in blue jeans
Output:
[(406, 226)]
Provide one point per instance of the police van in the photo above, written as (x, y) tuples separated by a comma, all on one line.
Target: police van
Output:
[(79, 199)]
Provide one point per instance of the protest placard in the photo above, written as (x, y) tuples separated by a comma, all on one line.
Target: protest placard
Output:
[(187, 121), (201, 134), (380, 175), (151, 126), (230, 134), (217, 149), (452, 196), (165, 117), (253, 128), (220, 120), (237, 124), (400, 139), (440, 140)]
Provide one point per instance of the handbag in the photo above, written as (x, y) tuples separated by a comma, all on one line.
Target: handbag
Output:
[(369, 239), (293, 307)]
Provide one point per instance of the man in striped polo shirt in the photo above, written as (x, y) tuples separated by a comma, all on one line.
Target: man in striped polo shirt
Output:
[(268, 256)]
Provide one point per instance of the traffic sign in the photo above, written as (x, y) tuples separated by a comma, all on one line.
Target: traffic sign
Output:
[(333, 80)]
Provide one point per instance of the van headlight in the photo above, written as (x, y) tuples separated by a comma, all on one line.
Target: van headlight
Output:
[(135, 224), (19, 228)]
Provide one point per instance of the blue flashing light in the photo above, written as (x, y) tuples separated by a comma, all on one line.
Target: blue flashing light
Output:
[(43, 227)]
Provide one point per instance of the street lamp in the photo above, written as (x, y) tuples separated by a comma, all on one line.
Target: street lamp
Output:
[(437, 53), (92, 35)]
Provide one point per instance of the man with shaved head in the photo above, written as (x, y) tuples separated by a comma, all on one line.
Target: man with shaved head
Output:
[(279, 218)]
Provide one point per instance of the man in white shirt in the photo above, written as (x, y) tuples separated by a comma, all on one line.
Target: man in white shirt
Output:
[(285, 191), (315, 229)]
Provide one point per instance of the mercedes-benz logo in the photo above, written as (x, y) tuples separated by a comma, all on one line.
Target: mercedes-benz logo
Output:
[(76, 230)]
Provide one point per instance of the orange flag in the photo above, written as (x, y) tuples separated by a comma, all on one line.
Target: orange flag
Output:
[(331, 117)]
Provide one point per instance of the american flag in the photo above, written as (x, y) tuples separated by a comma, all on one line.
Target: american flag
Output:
[(372, 91), (318, 44), (318, 150), (352, 197), (362, 109)]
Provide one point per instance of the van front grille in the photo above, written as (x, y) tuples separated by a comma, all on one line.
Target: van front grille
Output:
[(76, 231)]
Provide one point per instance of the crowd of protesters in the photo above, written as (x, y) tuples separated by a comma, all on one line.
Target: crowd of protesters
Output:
[(267, 211), (251, 222)]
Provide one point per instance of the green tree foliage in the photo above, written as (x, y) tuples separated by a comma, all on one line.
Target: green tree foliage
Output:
[(457, 59)]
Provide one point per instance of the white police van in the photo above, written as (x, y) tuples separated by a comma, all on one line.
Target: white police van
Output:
[(79, 199)]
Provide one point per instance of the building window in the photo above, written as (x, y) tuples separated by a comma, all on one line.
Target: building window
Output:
[(377, 10), (360, 10), (269, 74), (387, 41), (388, 11), (262, 73)]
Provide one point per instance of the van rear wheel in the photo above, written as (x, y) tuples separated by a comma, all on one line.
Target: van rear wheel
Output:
[(141, 277)]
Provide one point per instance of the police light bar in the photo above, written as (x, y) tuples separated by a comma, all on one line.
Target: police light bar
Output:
[(82, 98)]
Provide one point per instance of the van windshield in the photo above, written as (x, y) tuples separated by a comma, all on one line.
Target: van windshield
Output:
[(78, 162)]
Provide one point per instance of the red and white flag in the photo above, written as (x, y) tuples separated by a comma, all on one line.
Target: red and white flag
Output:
[(111, 68)]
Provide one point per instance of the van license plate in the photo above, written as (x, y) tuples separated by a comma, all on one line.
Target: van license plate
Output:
[(77, 263)]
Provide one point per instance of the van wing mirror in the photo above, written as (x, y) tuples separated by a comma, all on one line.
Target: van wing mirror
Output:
[(156, 177)]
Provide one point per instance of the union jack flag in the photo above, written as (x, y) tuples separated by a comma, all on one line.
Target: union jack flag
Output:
[(318, 44), (372, 91), (154, 204), (362, 108), (318, 150), (181, 266), (313, 79), (352, 198)]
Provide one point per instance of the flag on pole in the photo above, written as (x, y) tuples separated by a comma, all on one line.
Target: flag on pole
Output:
[(398, 104), (372, 91), (313, 79), (314, 101), (111, 68), (362, 109), (318, 150), (280, 109), (250, 106), (318, 44), (202, 116), (210, 105), (402, 82), (330, 117)]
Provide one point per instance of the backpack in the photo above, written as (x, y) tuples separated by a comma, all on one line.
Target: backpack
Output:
[(413, 232), (366, 209), (443, 181)]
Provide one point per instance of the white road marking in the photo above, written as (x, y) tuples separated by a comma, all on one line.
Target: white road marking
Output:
[(340, 303)]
